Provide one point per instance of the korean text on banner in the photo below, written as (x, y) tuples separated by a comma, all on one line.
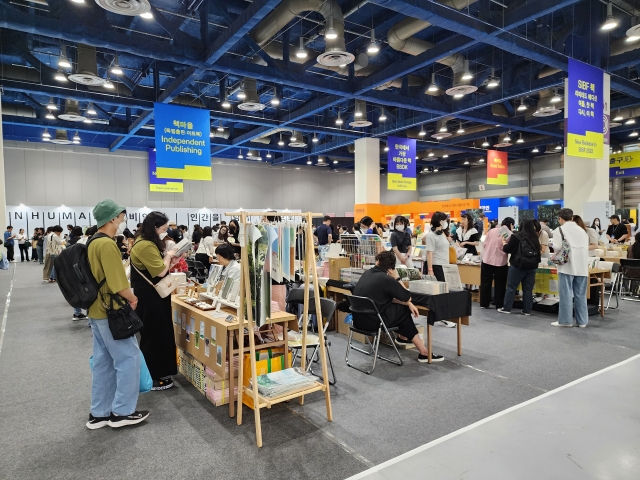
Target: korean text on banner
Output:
[(401, 164), (625, 164), (182, 142), (161, 184), (585, 123), (497, 168)]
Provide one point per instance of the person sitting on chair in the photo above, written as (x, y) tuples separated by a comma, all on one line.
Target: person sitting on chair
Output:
[(382, 285)]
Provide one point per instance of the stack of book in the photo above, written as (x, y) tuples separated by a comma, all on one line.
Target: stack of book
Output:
[(285, 381), (428, 287)]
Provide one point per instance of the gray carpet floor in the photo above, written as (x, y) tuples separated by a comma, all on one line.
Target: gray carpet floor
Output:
[(45, 395)]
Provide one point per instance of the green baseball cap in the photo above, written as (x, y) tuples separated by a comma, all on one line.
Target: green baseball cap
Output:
[(107, 210)]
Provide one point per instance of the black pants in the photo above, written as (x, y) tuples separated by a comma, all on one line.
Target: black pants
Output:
[(9, 252), (490, 274), (438, 272), (515, 277), (34, 254), (395, 315), (24, 251), (203, 258)]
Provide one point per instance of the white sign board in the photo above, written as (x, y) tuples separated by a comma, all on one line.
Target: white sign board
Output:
[(504, 212), (593, 210)]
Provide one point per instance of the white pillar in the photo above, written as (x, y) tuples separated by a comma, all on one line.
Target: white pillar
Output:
[(367, 174), (587, 179), (3, 195)]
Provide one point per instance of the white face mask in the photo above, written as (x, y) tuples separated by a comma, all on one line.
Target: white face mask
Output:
[(121, 228), (444, 224), (597, 223), (162, 235), (400, 228)]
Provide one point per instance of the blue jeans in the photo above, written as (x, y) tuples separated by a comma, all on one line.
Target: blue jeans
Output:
[(53, 269), (116, 372), (40, 255), (514, 278), (77, 311), (573, 299)]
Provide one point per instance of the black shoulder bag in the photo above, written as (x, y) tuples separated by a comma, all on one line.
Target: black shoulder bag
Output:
[(123, 322)]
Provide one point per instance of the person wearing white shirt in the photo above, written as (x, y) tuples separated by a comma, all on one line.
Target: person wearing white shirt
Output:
[(573, 275), (226, 258), (204, 254), (23, 245)]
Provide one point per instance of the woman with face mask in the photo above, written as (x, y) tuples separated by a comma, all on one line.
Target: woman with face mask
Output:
[(596, 226), (149, 259), (401, 241)]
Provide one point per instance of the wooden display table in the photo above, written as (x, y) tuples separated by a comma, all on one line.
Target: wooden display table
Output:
[(469, 274), (598, 274)]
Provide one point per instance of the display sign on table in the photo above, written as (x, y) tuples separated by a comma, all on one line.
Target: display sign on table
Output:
[(182, 142), (156, 184), (624, 164), (585, 115), (401, 164), (497, 168)]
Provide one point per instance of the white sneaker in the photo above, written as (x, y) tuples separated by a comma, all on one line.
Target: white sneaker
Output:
[(445, 323), (502, 310), (581, 326), (557, 324)]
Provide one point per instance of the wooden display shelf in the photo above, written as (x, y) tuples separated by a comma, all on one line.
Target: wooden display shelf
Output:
[(269, 401)]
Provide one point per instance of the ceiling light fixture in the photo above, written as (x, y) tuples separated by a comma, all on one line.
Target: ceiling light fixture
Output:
[(481, 160), (493, 80), (458, 95), (382, 117), (466, 162), (76, 138), (522, 107), (315, 138), (335, 162), (558, 147), (225, 102), (46, 134), (435, 169), (373, 47), (610, 22), (50, 116), (507, 137), (358, 113), (467, 75), (485, 144), (63, 61), (445, 156), (241, 95), (281, 142), (240, 155), (339, 120), (320, 159), (249, 153), (220, 127), (293, 137), (309, 162), (422, 132), (556, 97), (211, 134), (77, 1), (116, 70), (633, 134), (618, 117), (386, 148), (535, 150), (430, 154), (329, 32), (460, 130), (87, 120), (632, 38), (443, 128), (432, 86), (520, 139), (60, 76), (275, 101), (147, 15), (268, 154), (631, 121), (301, 52), (51, 106), (91, 110), (108, 83)]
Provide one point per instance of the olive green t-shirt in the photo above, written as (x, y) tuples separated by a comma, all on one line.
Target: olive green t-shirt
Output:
[(146, 256), (105, 260)]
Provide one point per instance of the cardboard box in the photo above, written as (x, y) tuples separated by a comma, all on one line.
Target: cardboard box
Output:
[(335, 264)]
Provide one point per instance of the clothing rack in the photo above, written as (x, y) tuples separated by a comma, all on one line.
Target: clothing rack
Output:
[(310, 275)]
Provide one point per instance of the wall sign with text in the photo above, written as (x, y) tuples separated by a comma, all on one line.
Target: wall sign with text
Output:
[(401, 164), (625, 164)]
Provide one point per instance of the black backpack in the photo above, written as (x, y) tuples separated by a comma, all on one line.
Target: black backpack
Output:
[(526, 257), (77, 284)]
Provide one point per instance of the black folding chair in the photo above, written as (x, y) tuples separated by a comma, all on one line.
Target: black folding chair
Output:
[(366, 306), (328, 308), (199, 272), (629, 272)]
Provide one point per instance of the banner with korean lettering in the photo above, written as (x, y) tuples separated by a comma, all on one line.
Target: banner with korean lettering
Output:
[(401, 164), (585, 111), (182, 142), (625, 164), (167, 185), (497, 168)]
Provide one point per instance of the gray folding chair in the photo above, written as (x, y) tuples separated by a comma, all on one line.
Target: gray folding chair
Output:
[(366, 306)]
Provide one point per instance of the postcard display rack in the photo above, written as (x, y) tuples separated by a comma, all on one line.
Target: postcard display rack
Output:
[(255, 315)]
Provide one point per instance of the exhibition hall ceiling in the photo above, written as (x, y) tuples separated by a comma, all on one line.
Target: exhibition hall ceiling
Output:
[(298, 81)]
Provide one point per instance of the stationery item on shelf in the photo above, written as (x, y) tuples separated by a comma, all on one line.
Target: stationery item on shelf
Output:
[(226, 286), (280, 383), (420, 251), (233, 292), (452, 277)]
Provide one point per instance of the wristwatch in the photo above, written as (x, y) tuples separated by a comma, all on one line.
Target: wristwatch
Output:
[(398, 279)]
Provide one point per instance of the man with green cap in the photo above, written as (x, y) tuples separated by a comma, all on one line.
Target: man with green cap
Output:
[(116, 363)]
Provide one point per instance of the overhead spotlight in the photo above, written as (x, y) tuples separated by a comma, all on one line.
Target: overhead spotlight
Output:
[(422, 132), (226, 104), (329, 32), (435, 169), (315, 138), (358, 114), (632, 38), (60, 76), (507, 137), (467, 75), (240, 155), (46, 135), (493, 80), (77, 1), (386, 148), (50, 116), (339, 120), (430, 154), (481, 160), (618, 117), (633, 134), (631, 121), (522, 107), (108, 84), (51, 106), (90, 110), (63, 61), (220, 127), (520, 139), (268, 154), (211, 134), (76, 138), (558, 147), (301, 52), (309, 162), (466, 162), (443, 128), (281, 142), (147, 15), (241, 95), (87, 120), (432, 86), (320, 160), (116, 70), (373, 47), (458, 95), (275, 101), (335, 162), (460, 130), (249, 153), (445, 156), (485, 144), (382, 117), (610, 23), (556, 97), (535, 150), (293, 137)]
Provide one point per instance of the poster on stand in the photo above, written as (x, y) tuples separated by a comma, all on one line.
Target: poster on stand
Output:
[(586, 122), (401, 164)]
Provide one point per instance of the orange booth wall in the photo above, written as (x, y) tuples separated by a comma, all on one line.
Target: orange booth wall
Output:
[(415, 210)]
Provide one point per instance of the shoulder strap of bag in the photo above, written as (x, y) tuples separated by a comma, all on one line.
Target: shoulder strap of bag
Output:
[(561, 234), (143, 275)]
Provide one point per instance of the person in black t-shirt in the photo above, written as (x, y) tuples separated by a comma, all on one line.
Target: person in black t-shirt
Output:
[(382, 285), (323, 233), (617, 232), (401, 241)]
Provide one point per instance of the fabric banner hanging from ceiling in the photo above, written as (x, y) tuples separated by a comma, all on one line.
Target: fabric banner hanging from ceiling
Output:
[(497, 168), (626, 164), (401, 164), (182, 142), (162, 184)]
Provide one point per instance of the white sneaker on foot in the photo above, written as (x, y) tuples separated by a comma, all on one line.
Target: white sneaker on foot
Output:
[(582, 326), (445, 323), (558, 324), (502, 310)]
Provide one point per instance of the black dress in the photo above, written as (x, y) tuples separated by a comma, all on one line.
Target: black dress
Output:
[(157, 341)]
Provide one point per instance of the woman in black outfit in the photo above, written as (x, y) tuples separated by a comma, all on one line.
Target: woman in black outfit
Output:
[(150, 263), (196, 236), (467, 236), (234, 235)]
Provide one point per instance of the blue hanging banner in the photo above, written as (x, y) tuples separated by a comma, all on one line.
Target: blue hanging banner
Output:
[(161, 184), (585, 122), (401, 164), (183, 150)]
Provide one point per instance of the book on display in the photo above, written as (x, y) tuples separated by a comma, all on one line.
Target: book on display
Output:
[(183, 246)]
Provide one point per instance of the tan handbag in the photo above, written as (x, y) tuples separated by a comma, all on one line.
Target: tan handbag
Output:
[(164, 287)]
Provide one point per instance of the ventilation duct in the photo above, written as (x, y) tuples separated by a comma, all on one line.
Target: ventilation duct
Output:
[(360, 115), (460, 86), (499, 110), (335, 53), (61, 138), (251, 103), (125, 7), (18, 110), (71, 112), (87, 69), (299, 142), (545, 107)]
